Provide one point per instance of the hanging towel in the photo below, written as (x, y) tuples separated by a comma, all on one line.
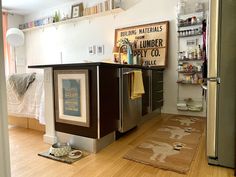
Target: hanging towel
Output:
[(21, 82), (136, 85)]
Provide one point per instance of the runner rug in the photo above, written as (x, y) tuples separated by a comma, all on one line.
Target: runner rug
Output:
[(172, 145)]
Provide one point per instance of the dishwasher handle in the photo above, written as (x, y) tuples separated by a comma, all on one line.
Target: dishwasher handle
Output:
[(127, 73)]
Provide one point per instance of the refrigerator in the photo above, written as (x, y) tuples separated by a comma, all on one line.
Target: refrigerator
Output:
[(221, 83)]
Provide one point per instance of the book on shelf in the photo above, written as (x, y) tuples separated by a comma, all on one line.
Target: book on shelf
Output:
[(100, 7)]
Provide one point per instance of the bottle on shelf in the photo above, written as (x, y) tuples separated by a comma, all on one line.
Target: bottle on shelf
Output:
[(199, 53), (195, 53)]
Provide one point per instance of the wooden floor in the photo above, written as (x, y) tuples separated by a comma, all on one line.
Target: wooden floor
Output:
[(26, 144)]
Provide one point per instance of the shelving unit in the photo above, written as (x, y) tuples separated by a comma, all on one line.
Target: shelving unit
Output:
[(190, 105), (186, 83), (74, 20), (190, 35), (189, 96), (189, 24), (187, 59), (189, 72)]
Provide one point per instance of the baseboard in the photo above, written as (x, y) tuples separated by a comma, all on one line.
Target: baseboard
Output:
[(88, 144), (49, 139), (149, 116), (25, 122), (104, 141), (18, 121)]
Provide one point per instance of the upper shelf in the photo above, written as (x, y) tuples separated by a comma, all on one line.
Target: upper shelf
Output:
[(73, 20), (189, 24), (192, 35), (188, 59)]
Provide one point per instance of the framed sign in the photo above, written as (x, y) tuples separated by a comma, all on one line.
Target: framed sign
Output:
[(149, 42), (72, 97)]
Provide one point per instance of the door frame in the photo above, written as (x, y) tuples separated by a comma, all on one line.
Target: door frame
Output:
[(4, 137)]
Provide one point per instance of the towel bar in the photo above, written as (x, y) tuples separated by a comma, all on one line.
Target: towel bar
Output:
[(126, 73)]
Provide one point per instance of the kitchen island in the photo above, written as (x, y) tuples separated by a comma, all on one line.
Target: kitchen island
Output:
[(100, 99)]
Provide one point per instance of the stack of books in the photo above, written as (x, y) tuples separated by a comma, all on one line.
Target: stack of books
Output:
[(101, 7)]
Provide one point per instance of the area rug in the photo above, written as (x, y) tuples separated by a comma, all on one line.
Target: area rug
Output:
[(64, 159), (172, 146), (185, 121)]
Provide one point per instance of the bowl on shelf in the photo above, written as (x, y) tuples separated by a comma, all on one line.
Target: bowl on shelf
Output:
[(60, 149)]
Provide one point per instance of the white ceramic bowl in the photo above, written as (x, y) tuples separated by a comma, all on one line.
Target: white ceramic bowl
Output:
[(75, 154)]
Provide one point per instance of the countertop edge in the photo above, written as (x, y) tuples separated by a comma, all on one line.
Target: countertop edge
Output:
[(96, 64)]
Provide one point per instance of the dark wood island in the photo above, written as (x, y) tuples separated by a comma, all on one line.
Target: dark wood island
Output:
[(102, 97)]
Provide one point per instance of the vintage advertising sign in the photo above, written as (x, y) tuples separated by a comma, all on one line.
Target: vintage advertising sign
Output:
[(149, 41)]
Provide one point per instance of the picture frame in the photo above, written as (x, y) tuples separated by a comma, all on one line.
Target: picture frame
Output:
[(72, 97), (77, 10), (100, 49)]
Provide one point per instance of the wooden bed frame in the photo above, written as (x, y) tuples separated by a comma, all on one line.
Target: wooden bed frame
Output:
[(24, 122)]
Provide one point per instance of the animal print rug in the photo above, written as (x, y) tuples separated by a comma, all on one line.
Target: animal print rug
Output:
[(172, 146)]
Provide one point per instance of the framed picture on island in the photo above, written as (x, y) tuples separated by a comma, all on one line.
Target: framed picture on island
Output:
[(77, 10), (72, 97)]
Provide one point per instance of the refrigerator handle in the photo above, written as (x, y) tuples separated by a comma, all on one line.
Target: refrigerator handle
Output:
[(213, 79)]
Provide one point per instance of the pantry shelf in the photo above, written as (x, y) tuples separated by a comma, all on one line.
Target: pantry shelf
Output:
[(190, 109), (187, 59), (195, 106), (189, 72), (190, 35), (189, 25), (187, 83)]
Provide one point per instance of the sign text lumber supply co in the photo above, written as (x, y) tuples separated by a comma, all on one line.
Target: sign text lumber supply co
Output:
[(150, 41)]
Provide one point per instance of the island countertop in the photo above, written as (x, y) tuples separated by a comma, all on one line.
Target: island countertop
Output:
[(95, 64)]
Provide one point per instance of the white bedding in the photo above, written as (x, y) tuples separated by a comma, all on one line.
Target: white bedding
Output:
[(31, 105)]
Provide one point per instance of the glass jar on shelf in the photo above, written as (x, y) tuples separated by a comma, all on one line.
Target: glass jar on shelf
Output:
[(199, 53), (193, 20)]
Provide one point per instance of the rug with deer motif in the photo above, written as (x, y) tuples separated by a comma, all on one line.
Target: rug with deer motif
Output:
[(172, 145)]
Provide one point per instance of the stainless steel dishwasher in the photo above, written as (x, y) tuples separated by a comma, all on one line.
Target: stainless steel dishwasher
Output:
[(130, 110)]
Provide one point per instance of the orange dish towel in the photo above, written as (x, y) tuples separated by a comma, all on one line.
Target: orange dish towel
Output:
[(136, 84)]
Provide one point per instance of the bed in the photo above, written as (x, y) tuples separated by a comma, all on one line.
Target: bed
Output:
[(27, 109)]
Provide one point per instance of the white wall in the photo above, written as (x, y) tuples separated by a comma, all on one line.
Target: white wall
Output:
[(13, 22), (71, 41)]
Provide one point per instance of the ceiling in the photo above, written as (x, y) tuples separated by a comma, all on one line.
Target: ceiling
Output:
[(24, 7)]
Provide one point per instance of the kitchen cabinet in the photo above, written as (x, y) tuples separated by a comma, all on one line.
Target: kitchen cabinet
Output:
[(157, 89), (104, 100), (146, 105), (153, 86)]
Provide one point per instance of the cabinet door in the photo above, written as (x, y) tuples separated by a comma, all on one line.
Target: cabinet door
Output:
[(108, 99), (146, 96), (157, 89)]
